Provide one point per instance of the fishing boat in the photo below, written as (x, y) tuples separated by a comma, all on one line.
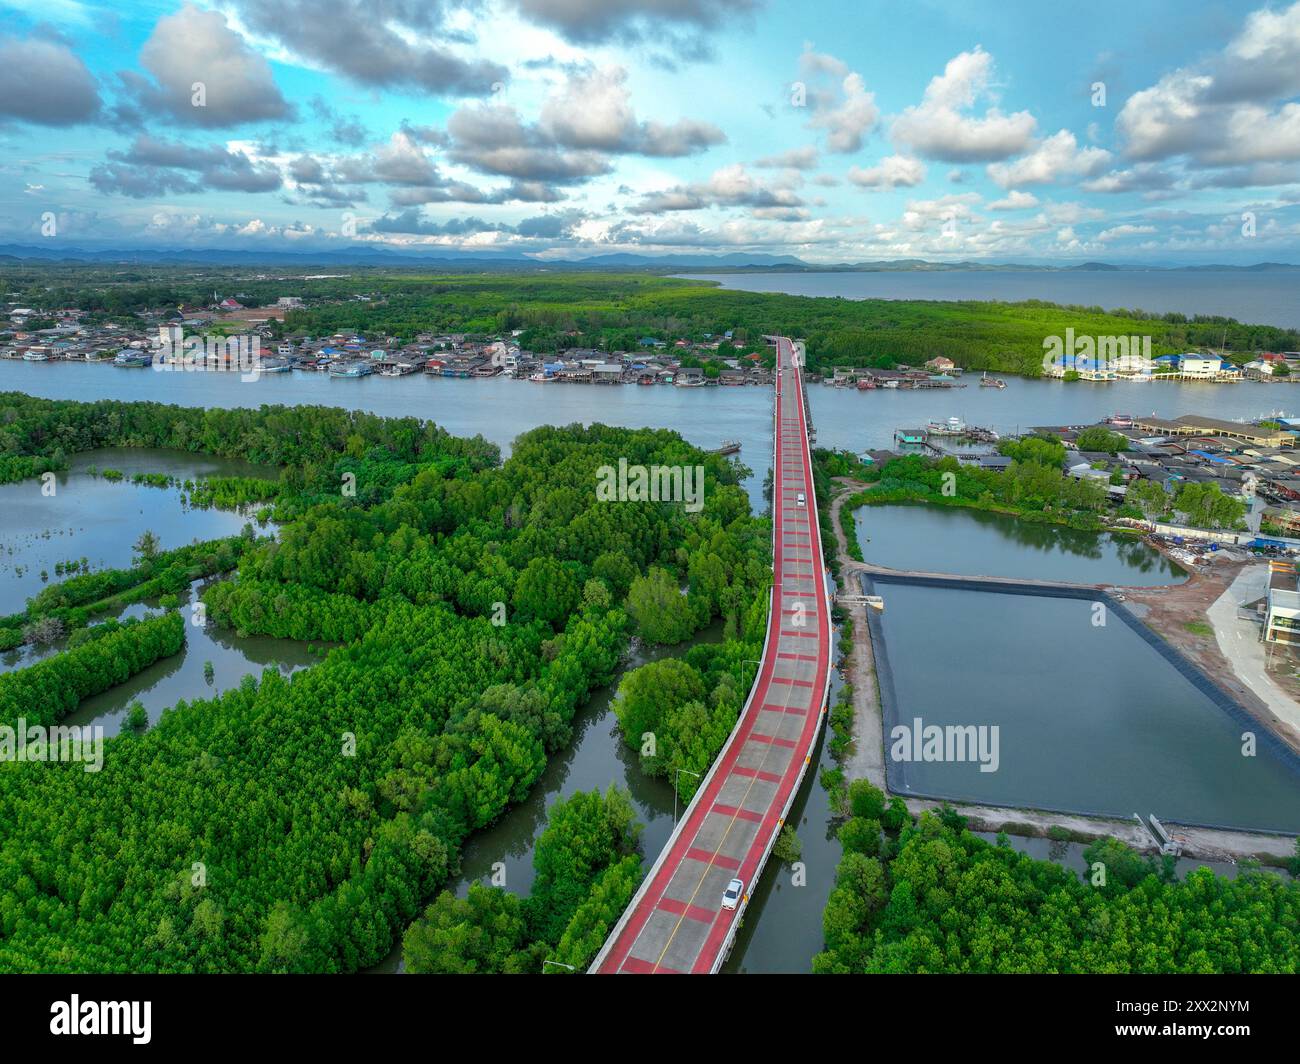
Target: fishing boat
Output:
[(992, 382), (954, 426), (351, 369), (866, 385), (274, 365), (1120, 421), (541, 378), (728, 447), (890, 384), (35, 356), (132, 359)]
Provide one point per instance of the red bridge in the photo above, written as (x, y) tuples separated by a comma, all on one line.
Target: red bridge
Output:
[(676, 923)]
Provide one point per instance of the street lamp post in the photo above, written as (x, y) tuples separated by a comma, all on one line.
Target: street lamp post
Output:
[(676, 784), (560, 964)]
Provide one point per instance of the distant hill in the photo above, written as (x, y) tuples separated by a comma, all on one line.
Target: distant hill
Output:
[(365, 255)]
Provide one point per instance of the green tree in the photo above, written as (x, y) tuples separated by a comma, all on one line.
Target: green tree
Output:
[(147, 547), (1100, 438), (661, 612)]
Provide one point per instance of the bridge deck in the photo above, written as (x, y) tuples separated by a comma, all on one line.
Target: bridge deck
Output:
[(676, 922)]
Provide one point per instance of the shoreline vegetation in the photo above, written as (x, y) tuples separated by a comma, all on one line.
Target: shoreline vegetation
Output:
[(926, 895), (1033, 488), (608, 312)]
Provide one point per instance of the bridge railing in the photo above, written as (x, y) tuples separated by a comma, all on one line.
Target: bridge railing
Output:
[(820, 575)]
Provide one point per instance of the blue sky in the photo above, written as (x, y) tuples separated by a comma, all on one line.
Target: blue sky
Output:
[(937, 129)]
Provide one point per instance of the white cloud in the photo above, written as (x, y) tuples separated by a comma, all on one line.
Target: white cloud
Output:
[(594, 112), (1015, 201), (1227, 111), (1059, 156), (937, 128), (838, 99), (1118, 231), (892, 172), (730, 186), (850, 118), (804, 158)]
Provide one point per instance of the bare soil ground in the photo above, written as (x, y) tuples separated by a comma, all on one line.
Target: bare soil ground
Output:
[(1169, 610)]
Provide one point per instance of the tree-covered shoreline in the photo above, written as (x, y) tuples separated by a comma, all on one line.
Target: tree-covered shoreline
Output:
[(612, 311), (931, 897)]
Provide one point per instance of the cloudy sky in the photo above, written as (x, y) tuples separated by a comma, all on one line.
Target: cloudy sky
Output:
[(1005, 130)]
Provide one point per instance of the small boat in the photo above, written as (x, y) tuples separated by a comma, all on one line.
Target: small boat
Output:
[(132, 359), (890, 384), (275, 365), (992, 382), (1120, 421), (541, 378), (728, 447), (866, 385)]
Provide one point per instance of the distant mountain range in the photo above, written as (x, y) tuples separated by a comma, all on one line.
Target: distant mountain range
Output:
[(736, 261)]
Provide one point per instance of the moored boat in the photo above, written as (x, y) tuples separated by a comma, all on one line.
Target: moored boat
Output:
[(351, 369)]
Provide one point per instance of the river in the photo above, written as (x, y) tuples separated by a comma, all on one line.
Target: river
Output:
[(500, 409), (1263, 297), (783, 928)]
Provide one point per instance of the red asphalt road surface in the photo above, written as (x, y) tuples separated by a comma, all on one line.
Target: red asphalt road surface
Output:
[(676, 922)]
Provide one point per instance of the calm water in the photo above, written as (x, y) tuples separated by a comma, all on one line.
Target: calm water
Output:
[(1258, 298), (1092, 719), (100, 520), (166, 682), (500, 409), (939, 539)]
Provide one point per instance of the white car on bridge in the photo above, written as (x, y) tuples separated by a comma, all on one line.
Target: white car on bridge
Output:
[(731, 896)]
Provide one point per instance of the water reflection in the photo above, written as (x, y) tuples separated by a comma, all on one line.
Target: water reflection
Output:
[(980, 543)]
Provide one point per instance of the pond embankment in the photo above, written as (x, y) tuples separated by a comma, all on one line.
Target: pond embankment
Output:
[(1092, 719)]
